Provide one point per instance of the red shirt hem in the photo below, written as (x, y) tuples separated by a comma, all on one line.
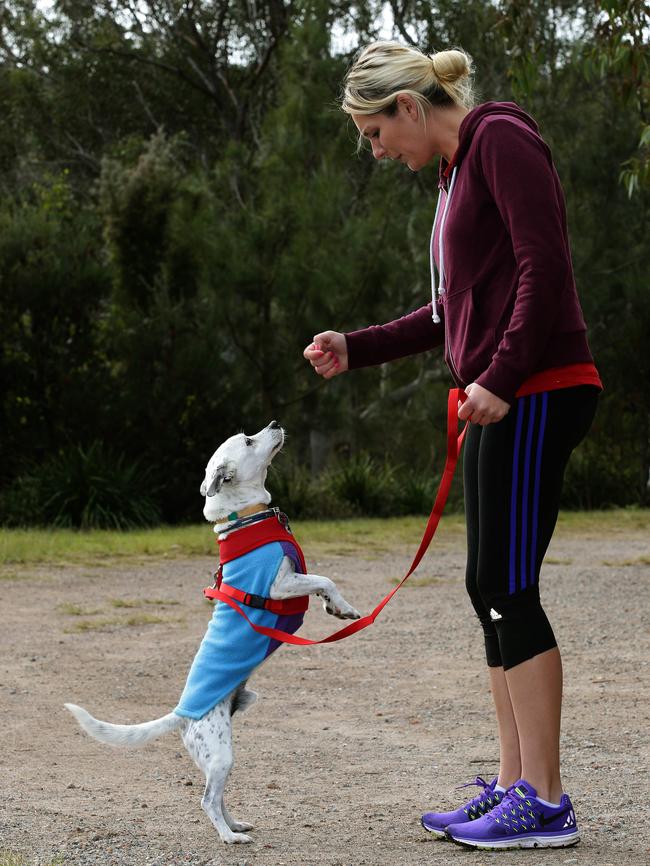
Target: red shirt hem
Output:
[(560, 377)]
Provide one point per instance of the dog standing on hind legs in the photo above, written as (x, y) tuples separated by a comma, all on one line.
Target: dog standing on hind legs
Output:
[(262, 566)]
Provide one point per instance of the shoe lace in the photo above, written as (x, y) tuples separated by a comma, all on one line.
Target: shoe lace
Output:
[(488, 797), (515, 812)]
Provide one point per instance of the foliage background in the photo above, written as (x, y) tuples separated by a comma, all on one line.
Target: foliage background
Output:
[(182, 208)]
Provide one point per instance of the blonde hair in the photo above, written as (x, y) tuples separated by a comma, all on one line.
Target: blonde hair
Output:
[(382, 70)]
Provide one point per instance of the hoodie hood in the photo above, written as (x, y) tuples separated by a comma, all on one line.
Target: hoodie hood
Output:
[(472, 121)]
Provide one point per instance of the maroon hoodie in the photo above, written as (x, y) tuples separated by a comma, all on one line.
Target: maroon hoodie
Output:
[(510, 306)]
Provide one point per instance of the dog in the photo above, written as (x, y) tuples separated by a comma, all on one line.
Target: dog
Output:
[(236, 501)]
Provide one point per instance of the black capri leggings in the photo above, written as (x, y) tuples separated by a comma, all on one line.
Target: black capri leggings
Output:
[(513, 472)]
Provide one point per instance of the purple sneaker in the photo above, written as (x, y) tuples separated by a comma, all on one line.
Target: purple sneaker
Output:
[(436, 822), (520, 821)]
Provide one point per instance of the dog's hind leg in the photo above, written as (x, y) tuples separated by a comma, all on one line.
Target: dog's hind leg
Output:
[(209, 742), (212, 802), (237, 826)]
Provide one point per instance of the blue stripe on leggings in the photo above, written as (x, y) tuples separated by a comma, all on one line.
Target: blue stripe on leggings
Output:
[(512, 587), (538, 472), (525, 493)]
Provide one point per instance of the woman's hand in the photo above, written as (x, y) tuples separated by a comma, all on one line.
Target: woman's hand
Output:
[(482, 406), (328, 354)]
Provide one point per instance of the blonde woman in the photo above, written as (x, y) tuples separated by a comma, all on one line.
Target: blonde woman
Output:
[(504, 306)]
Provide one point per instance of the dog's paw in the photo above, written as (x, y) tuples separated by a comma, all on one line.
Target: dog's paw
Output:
[(342, 611), (240, 826), (234, 838), (350, 613)]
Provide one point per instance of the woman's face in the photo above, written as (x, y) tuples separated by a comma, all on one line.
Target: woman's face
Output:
[(400, 136)]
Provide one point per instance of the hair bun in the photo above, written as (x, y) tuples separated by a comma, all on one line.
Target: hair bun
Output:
[(451, 65)]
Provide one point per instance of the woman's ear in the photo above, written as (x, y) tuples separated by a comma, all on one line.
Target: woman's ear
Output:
[(408, 105)]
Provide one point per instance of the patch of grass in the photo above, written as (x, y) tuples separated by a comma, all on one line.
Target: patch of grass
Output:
[(149, 619), (354, 536), (9, 858), (137, 619), (158, 602), (622, 563), (615, 520), (360, 535), (75, 610), (69, 545), (420, 581), (13, 858), (16, 575)]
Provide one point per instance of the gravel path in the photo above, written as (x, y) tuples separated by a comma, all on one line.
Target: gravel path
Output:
[(349, 742)]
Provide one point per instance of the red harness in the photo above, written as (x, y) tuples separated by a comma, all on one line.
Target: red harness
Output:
[(243, 541), (454, 444)]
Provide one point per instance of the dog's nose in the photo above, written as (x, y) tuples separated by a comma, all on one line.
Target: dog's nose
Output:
[(274, 425)]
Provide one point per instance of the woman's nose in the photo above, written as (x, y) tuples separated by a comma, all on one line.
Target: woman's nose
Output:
[(378, 151)]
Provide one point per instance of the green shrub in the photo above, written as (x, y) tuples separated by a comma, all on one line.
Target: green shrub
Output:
[(84, 488), (363, 484), (416, 491), (357, 486), (303, 496), (292, 488), (601, 475)]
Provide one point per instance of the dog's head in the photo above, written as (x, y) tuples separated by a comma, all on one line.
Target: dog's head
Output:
[(236, 472)]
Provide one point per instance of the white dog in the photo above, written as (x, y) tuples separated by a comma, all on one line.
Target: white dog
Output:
[(236, 501)]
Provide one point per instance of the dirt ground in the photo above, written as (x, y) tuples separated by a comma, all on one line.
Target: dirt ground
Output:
[(349, 742)]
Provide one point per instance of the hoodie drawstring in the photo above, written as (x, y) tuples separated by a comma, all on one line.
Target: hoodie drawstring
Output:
[(438, 292)]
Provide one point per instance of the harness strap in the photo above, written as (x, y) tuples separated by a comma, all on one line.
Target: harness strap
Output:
[(284, 606), (454, 445), (275, 528)]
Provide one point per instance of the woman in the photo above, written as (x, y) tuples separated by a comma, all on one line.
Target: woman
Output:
[(506, 309)]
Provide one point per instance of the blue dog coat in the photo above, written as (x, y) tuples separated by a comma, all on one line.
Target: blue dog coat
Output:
[(231, 650)]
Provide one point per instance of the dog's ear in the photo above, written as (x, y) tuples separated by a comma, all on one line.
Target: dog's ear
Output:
[(220, 475)]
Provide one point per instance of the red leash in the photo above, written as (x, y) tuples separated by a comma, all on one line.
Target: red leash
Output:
[(454, 444)]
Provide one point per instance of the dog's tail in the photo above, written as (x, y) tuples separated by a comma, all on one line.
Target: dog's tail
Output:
[(125, 735)]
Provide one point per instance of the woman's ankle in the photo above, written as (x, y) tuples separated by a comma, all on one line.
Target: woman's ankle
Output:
[(506, 779), (549, 788)]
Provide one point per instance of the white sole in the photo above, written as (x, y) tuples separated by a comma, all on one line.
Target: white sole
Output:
[(521, 842), (439, 834)]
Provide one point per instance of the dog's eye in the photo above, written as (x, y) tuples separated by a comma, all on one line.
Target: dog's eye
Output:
[(248, 441)]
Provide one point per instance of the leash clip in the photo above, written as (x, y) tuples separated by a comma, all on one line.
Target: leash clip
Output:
[(217, 578), (283, 520)]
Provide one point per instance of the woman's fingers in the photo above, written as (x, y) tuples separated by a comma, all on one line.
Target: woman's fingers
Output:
[(325, 363), (481, 406), (465, 409), (312, 351), (328, 354)]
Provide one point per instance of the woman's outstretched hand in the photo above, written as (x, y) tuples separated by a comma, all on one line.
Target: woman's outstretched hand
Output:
[(482, 406), (328, 354)]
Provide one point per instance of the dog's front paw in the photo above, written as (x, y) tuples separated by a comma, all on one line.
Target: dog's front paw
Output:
[(349, 613), (342, 611)]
